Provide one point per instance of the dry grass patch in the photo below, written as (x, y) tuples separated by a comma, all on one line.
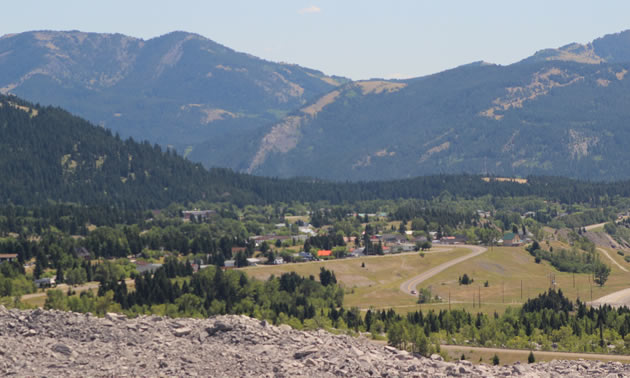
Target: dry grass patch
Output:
[(377, 284), (505, 268)]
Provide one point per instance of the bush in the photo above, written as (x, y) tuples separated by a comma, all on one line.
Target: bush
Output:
[(627, 258), (620, 253), (537, 259), (465, 280), (495, 360), (531, 359), (486, 284)]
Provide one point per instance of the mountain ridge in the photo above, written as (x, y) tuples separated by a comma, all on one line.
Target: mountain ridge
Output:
[(558, 112)]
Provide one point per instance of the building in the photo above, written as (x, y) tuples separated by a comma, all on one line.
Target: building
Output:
[(324, 253), (197, 215), (278, 261), (511, 239), (46, 282), (8, 257)]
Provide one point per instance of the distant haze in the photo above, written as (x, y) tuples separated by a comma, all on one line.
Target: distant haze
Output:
[(355, 39)]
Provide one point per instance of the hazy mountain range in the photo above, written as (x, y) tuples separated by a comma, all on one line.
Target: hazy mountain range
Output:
[(562, 111)]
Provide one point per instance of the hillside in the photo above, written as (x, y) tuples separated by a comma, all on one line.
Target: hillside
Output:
[(53, 343), (561, 112), (176, 90)]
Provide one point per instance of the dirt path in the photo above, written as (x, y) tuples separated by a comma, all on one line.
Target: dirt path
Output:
[(592, 226), (411, 284), (611, 259), (616, 299)]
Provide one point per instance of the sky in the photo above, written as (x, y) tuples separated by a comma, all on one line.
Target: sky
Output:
[(356, 39)]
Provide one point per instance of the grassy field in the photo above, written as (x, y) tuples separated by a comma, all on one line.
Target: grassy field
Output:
[(506, 269), (511, 272), (506, 357), (375, 285)]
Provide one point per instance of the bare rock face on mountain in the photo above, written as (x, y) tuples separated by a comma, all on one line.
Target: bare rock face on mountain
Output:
[(54, 343)]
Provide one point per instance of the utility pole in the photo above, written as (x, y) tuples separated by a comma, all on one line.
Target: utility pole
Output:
[(480, 296)]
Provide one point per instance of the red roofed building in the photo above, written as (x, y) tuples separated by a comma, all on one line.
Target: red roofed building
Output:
[(324, 253)]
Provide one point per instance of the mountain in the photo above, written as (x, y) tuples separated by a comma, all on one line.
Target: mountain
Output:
[(177, 90), (560, 112), (48, 155)]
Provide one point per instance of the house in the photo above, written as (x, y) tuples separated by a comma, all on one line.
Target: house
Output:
[(46, 282), (252, 261), (420, 239), (278, 261), (511, 239), (8, 257), (457, 239), (197, 214), (394, 239), (324, 253), (402, 247), (229, 264), (236, 250), (357, 252), (82, 253), (304, 256)]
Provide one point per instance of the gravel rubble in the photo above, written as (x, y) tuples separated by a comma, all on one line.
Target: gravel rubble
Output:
[(56, 343)]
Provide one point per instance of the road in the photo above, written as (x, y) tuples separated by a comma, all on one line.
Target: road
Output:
[(411, 284), (611, 259), (592, 226), (616, 299)]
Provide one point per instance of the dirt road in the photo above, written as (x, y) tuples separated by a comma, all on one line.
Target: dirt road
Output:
[(616, 299), (411, 284), (611, 259)]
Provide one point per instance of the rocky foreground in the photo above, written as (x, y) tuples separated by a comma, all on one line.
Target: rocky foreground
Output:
[(54, 343)]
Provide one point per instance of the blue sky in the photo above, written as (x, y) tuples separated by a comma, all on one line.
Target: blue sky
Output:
[(357, 39)]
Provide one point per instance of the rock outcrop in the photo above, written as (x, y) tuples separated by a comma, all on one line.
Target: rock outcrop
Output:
[(54, 343)]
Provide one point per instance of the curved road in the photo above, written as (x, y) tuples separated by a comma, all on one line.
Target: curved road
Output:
[(611, 259), (411, 284)]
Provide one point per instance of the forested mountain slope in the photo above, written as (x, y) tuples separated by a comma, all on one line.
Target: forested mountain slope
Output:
[(176, 90), (561, 112), (47, 154)]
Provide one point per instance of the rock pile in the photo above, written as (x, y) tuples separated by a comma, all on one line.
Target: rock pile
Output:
[(54, 343)]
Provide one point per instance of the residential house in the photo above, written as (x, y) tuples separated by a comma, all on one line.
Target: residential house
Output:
[(357, 252), (229, 264), (324, 253), (252, 261), (394, 239), (8, 257), (197, 214), (511, 239), (82, 253), (278, 261), (457, 239), (46, 282)]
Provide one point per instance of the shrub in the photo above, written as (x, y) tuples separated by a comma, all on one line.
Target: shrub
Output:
[(531, 359), (486, 284), (627, 258), (465, 280), (495, 360), (620, 253), (537, 259)]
